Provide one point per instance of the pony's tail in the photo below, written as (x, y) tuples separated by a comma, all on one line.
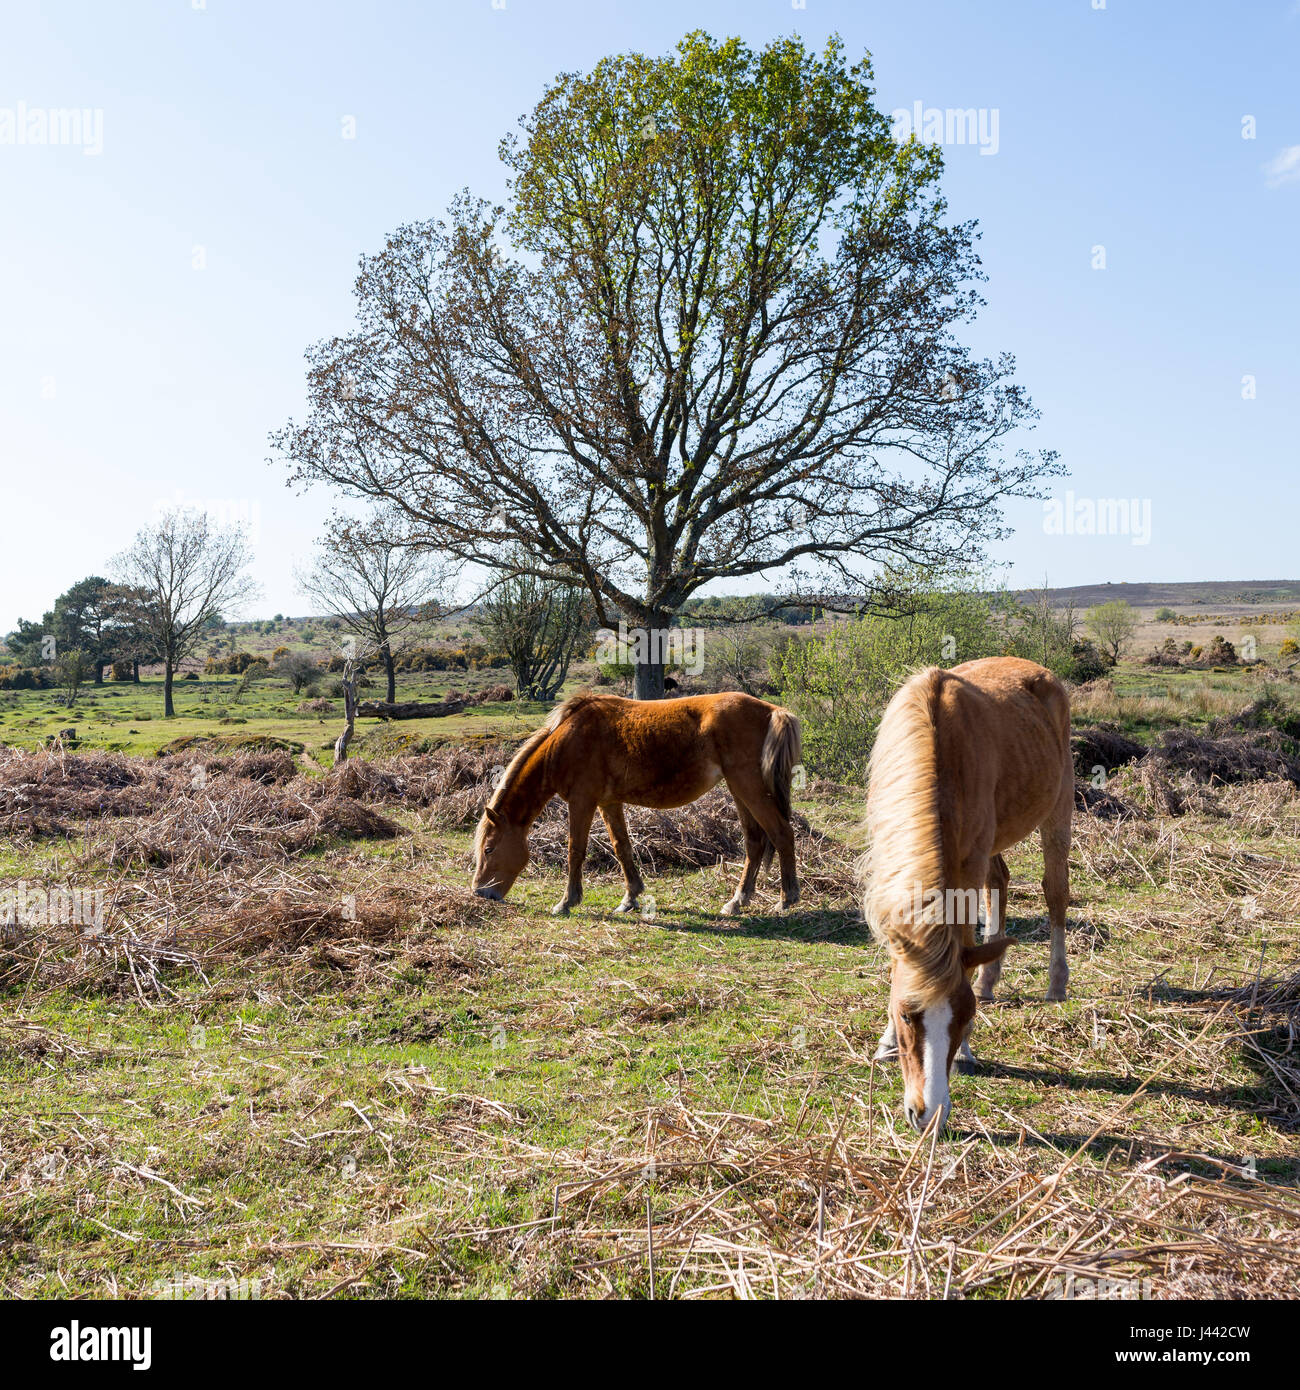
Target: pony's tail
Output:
[(782, 753), (904, 859)]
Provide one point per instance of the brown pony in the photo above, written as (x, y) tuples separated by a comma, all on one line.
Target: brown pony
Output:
[(966, 763), (600, 751)]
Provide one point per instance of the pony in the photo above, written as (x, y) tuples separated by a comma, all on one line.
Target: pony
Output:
[(599, 752), (967, 762)]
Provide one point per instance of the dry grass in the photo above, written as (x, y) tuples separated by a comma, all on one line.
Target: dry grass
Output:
[(401, 1089)]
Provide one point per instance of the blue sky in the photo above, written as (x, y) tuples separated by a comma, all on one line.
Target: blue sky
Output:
[(156, 296)]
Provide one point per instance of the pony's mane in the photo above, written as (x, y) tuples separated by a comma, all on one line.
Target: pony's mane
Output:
[(903, 867), (530, 745)]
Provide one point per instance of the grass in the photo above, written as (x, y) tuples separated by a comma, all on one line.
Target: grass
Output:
[(129, 718), (334, 1073), (1140, 700)]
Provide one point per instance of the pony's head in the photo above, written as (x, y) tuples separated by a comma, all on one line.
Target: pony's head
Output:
[(931, 1021), (500, 853)]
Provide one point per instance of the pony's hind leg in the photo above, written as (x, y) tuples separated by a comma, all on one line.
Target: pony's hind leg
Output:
[(1056, 889), (617, 826), (995, 924), (755, 844), (579, 828), (776, 828)]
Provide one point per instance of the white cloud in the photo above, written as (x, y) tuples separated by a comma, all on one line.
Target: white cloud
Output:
[(1285, 168)]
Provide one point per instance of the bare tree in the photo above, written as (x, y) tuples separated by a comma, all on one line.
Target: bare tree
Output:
[(1050, 632), (538, 623), (375, 583), (712, 336), (349, 684), (191, 570)]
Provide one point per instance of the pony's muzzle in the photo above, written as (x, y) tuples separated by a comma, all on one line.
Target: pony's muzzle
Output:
[(491, 892), (920, 1119)]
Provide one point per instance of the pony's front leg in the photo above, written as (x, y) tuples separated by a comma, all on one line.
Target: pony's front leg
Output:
[(579, 828), (633, 885)]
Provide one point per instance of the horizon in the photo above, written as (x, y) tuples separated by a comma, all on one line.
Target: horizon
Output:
[(201, 226), (468, 609)]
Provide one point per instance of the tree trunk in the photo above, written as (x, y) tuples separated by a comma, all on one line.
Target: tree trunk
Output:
[(99, 673), (350, 711), (135, 673), (390, 671), (169, 709), (649, 646)]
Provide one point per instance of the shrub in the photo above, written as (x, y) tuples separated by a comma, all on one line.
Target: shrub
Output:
[(25, 678), (1087, 664), (298, 669), (839, 682)]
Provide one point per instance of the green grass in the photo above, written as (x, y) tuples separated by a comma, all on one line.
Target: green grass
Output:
[(129, 719), (485, 1104)]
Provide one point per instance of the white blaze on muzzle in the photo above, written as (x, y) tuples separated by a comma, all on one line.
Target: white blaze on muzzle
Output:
[(934, 1058)]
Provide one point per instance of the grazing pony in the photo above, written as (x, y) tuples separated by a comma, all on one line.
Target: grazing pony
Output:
[(966, 763), (599, 751)]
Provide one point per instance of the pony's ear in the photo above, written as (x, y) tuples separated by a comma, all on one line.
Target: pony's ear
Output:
[(493, 815), (971, 956)]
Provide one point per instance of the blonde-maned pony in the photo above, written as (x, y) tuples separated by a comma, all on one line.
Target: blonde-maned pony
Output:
[(966, 763)]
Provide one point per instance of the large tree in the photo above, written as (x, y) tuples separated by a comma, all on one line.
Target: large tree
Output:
[(191, 569), (376, 584), (712, 336)]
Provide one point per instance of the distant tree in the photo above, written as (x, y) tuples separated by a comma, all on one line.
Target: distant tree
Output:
[(1047, 634), (1113, 625), (82, 618), (377, 586), (29, 644), (743, 659), (1165, 615), (191, 569), (298, 668), (73, 666), (538, 624), (133, 626), (256, 670), (714, 335)]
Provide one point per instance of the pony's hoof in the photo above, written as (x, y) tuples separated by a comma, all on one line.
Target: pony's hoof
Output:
[(1056, 996), (730, 908), (788, 903), (966, 1066), (627, 905), (560, 910), (984, 998)]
